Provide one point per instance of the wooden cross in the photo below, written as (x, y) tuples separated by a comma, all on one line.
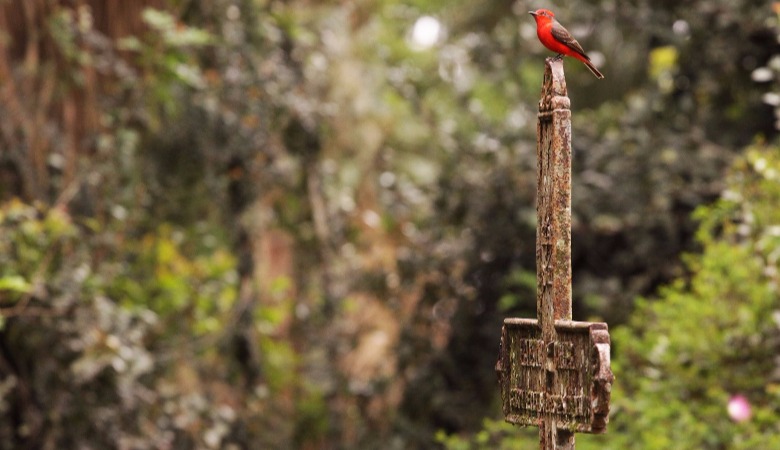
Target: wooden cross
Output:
[(553, 372)]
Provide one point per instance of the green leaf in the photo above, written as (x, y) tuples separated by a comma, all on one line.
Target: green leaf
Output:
[(129, 43), (15, 283), (157, 19)]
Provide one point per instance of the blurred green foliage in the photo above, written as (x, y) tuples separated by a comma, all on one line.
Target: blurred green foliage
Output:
[(290, 225), (714, 334), (709, 336), (97, 320)]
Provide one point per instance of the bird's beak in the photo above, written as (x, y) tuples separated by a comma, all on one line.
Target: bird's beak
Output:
[(533, 13)]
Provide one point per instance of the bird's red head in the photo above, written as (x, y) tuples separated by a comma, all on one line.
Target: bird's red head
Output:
[(542, 14)]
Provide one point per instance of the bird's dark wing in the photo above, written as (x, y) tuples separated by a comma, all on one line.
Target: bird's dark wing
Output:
[(563, 36)]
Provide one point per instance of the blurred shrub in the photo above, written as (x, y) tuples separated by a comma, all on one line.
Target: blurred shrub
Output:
[(713, 335), (107, 339), (709, 337)]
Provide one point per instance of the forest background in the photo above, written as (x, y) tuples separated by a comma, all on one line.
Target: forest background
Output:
[(297, 224)]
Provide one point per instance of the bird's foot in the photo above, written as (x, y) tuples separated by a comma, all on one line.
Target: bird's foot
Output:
[(558, 57)]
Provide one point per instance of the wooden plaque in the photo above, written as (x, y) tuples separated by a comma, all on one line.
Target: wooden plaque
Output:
[(579, 362)]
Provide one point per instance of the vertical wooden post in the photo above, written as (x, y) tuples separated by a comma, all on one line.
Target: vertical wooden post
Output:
[(553, 229), (554, 373)]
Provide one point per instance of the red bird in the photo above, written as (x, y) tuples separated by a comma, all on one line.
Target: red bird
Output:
[(558, 39)]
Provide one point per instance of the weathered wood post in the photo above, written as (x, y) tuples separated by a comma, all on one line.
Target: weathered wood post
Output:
[(553, 372)]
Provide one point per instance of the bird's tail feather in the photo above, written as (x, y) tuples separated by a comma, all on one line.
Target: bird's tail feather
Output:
[(593, 69)]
